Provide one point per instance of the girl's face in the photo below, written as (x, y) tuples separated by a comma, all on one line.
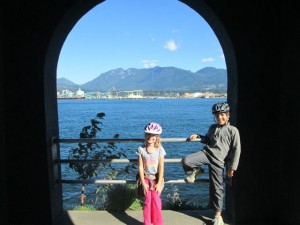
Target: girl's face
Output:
[(151, 138), (222, 118)]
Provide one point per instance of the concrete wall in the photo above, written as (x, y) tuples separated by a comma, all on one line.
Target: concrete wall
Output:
[(261, 44)]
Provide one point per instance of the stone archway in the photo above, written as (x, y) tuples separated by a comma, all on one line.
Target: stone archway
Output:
[(71, 16)]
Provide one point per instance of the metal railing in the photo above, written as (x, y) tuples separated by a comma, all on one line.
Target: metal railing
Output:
[(128, 181)]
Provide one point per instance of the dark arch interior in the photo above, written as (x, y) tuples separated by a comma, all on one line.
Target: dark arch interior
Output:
[(261, 52)]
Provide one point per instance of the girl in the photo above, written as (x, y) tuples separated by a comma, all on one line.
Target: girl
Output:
[(151, 171)]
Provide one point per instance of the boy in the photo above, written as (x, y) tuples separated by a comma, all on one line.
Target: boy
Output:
[(222, 143)]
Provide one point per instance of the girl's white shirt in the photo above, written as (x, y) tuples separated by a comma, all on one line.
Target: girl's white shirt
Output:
[(151, 159)]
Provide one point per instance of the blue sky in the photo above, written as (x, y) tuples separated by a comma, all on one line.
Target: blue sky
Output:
[(138, 34)]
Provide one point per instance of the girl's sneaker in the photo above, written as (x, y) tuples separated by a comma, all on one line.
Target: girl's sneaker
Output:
[(218, 220), (192, 174)]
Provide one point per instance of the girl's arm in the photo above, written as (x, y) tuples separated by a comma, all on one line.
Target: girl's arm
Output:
[(161, 168), (141, 173)]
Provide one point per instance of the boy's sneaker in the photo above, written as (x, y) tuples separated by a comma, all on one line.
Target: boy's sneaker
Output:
[(218, 221), (192, 174)]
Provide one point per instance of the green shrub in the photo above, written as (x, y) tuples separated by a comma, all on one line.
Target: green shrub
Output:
[(176, 204), (122, 197), (85, 208), (98, 152)]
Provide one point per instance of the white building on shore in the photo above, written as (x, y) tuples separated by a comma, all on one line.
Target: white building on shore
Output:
[(80, 93)]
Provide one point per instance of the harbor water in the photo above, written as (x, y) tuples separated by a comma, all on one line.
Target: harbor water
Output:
[(127, 117)]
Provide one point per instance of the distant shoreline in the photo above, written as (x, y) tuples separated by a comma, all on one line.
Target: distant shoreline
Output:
[(139, 98)]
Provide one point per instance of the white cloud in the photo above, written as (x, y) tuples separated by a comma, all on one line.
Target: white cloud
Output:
[(149, 63), (206, 60), (171, 45), (222, 56)]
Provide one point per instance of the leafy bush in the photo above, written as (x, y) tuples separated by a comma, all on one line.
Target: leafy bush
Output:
[(93, 151), (96, 151), (85, 208), (122, 197), (176, 204)]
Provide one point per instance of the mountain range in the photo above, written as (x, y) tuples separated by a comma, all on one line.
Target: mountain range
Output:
[(153, 79)]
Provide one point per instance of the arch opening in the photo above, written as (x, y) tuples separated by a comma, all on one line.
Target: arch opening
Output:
[(72, 17)]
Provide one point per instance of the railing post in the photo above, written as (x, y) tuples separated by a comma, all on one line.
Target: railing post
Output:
[(55, 158)]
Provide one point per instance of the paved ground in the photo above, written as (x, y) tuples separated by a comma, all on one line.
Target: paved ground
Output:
[(189, 217)]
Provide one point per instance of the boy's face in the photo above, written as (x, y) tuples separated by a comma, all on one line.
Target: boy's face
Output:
[(222, 118)]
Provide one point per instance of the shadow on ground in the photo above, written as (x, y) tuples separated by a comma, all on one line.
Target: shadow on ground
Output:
[(125, 218)]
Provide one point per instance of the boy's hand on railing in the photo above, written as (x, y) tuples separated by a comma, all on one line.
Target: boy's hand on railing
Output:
[(230, 172), (192, 137)]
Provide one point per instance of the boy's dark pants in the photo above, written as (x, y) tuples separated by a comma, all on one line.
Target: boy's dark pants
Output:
[(216, 172)]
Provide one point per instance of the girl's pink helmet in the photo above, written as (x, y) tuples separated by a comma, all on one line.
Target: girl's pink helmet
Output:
[(153, 128)]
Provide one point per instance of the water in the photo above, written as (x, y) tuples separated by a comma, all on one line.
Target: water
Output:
[(178, 117)]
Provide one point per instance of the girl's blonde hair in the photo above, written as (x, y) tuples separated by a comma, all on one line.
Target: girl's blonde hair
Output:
[(158, 141)]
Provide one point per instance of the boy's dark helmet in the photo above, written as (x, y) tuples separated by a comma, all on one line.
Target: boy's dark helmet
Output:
[(220, 107)]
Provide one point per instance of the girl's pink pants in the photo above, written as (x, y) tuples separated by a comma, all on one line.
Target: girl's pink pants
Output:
[(152, 210)]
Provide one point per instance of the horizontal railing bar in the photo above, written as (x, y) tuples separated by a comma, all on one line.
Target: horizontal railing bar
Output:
[(96, 140), (109, 161), (180, 181), (94, 181)]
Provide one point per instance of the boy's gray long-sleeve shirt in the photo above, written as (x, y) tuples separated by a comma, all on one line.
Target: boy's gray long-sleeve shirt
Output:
[(223, 141)]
